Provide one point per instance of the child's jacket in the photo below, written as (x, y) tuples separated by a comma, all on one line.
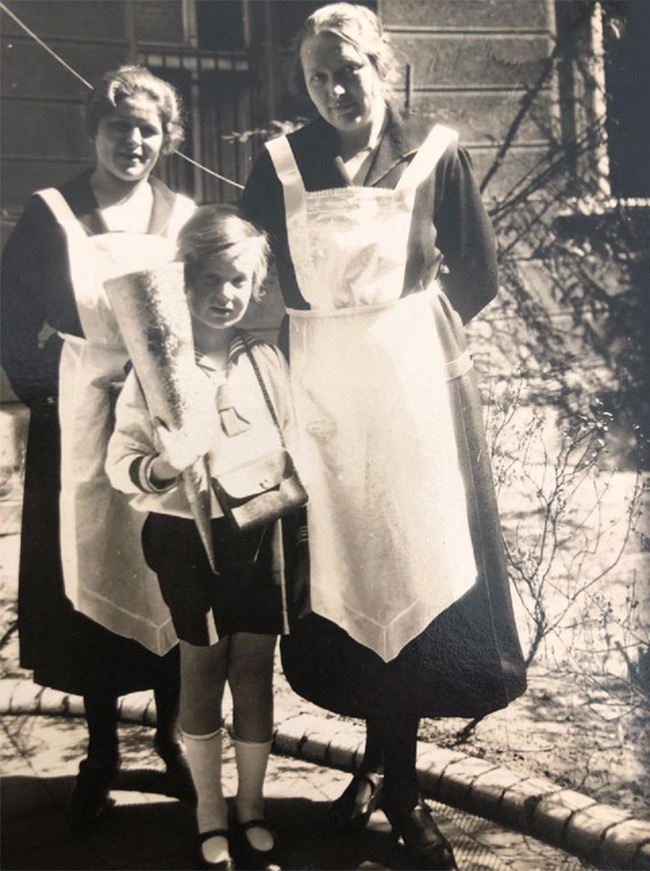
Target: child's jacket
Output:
[(133, 445)]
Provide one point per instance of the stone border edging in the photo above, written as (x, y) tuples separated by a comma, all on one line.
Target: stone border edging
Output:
[(600, 833)]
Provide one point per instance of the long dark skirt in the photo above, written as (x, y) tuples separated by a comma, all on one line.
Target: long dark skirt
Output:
[(468, 662), (64, 649)]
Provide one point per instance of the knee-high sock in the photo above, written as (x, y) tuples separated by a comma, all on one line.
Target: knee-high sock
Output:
[(252, 758), (204, 758)]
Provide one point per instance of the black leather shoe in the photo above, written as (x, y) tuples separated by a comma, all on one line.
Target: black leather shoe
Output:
[(423, 840), (226, 864), (250, 857), (90, 795), (356, 804)]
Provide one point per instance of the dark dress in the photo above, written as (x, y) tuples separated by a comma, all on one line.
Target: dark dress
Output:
[(65, 649), (468, 661)]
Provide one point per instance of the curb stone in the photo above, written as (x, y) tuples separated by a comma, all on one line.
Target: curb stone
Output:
[(624, 847), (553, 812), (642, 857), (487, 790), (587, 828), (600, 833), (519, 801)]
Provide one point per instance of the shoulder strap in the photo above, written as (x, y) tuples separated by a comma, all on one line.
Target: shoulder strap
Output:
[(59, 207), (269, 403), (287, 171), (182, 210), (428, 155)]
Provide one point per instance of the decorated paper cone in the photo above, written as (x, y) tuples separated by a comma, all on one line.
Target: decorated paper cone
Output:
[(196, 484), (153, 316)]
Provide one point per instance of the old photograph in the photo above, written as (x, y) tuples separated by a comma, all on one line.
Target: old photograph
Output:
[(325, 435)]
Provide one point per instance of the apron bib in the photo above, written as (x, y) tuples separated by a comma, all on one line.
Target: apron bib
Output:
[(105, 575), (390, 544)]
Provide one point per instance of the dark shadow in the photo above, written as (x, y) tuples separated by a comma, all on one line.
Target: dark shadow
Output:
[(154, 831), (150, 780), (151, 833), (147, 833), (305, 842)]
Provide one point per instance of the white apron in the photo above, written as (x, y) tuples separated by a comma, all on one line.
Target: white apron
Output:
[(390, 544), (105, 575)]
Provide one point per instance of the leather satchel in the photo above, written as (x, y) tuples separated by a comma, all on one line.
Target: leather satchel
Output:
[(262, 490)]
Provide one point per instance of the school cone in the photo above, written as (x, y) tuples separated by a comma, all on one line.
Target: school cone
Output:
[(154, 319), (196, 484)]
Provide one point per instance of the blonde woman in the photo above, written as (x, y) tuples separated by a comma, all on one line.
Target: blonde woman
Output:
[(383, 250)]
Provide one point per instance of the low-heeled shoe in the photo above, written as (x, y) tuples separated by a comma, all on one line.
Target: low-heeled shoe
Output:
[(90, 794), (349, 811), (423, 839), (250, 857), (226, 864)]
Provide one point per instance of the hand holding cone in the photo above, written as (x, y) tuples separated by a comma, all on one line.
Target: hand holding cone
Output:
[(153, 316)]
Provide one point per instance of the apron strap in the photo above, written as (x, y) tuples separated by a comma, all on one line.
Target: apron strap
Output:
[(460, 366), (287, 171), (428, 155), (59, 207), (182, 209)]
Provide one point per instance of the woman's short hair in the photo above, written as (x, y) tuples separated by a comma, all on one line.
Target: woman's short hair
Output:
[(357, 25), (215, 228), (130, 81)]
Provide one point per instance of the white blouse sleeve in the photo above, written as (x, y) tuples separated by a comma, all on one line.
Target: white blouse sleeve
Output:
[(132, 449)]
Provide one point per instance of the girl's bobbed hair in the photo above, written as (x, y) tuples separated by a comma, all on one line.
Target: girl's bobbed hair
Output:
[(131, 81), (357, 25), (216, 228)]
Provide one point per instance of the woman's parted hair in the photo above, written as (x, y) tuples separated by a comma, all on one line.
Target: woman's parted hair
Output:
[(357, 25), (215, 228), (129, 81)]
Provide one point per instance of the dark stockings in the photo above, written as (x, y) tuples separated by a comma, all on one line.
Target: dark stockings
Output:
[(101, 717), (391, 741), (166, 693)]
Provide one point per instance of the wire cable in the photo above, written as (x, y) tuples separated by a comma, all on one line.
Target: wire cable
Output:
[(43, 45), (209, 171), (70, 69)]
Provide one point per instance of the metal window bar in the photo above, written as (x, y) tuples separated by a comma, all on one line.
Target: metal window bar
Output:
[(221, 95)]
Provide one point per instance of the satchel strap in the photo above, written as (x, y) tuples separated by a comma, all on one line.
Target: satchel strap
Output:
[(269, 403)]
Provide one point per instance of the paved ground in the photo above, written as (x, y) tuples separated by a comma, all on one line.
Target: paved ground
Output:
[(150, 829), (496, 818)]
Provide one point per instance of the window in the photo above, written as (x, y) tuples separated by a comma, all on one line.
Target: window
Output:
[(220, 26)]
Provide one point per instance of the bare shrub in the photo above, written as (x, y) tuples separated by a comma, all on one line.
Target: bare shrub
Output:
[(574, 543)]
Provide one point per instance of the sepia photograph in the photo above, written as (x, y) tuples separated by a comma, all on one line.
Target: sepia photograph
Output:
[(325, 435)]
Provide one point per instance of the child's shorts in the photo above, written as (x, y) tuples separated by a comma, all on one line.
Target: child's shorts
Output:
[(242, 597)]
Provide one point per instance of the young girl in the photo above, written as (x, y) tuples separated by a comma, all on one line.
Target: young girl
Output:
[(228, 622)]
